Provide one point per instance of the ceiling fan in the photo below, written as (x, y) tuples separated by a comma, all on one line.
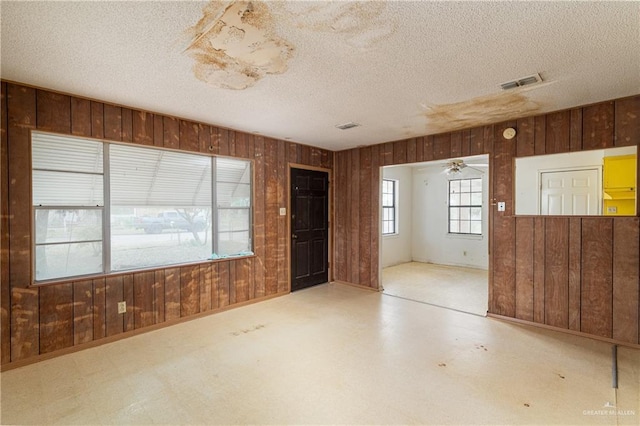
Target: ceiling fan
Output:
[(456, 166)]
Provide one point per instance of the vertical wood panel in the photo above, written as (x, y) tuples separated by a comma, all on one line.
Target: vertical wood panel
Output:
[(575, 271), (347, 214), (99, 304), (127, 296), (524, 268), (556, 280), (539, 134), (205, 288), (476, 140), (142, 127), (189, 290), (112, 122), (21, 116), (158, 130), (56, 317), (171, 127), (387, 154), (305, 154), (223, 141), (625, 279), (82, 312), (456, 144), (283, 237), (538, 269), (127, 125), (259, 218), (5, 304), (215, 285), (271, 216), (627, 121), (364, 261), (97, 120), (189, 140), (420, 149), (399, 152), (354, 201), (558, 132), (597, 126), (339, 229), (442, 146), (231, 142), (597, 259), (374, 187), (241, 279), (223, 284), (158, 297), (80, 117), (316, 157), (411, 150), (204, 139), (53, 112), (143, 299), (171, 294), (525, 137), (427, 150), (114, 287), (232, 283), (575, 130)]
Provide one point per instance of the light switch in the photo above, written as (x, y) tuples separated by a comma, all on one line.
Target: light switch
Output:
[(283, 211), (501, 206)]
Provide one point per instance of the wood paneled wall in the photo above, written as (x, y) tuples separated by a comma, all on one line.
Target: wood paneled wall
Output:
[(43, 319), (573, 273)]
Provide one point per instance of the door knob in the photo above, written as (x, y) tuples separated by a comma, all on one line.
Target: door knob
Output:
[(294, 236)]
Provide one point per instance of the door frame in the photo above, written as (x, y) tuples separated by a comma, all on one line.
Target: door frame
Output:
[(569, 169), (330, 218)]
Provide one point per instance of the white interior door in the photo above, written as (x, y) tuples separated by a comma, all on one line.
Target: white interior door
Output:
[(571, 192)]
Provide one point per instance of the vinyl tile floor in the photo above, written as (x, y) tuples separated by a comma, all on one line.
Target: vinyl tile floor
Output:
[(332, 354), (453, 287)]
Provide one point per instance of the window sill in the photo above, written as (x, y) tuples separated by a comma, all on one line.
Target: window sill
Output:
[(69, 280), (466, 236)]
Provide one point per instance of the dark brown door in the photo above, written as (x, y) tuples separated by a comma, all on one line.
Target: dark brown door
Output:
[(309, 228)]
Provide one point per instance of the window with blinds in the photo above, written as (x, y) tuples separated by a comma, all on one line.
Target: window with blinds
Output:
[(102, 207)]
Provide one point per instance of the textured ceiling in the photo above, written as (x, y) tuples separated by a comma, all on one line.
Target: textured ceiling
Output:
[(294, 70)]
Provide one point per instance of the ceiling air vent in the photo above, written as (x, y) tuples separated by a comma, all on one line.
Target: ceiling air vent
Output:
[(349, 125), (524, 81)]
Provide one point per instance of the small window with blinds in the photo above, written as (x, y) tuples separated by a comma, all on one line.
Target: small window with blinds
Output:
[(101, 207)]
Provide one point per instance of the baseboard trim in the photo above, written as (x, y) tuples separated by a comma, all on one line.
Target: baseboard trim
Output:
[(364, 287), (562, 330)]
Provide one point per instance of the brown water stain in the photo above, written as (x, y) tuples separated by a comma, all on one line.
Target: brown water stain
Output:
[(479, 111), (234, 44)]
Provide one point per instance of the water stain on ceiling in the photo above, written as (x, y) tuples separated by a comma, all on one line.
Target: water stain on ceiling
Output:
[(359, 23), (479, 111), (234, 45)]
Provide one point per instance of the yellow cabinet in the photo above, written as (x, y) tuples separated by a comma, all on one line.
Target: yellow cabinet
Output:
[(619, 185)]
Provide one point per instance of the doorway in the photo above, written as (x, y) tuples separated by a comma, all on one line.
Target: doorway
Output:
[(570, 192), (309, 228), (437, 252)]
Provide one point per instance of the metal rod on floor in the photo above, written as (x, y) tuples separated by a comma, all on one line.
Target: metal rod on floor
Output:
[(614, 366)]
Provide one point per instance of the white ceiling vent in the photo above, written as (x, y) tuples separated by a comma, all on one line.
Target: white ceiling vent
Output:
[(523, 81), (346, 126)]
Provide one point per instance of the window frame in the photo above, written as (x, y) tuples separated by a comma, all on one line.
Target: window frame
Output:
[(105, 210), (470, 205), (393, 207)]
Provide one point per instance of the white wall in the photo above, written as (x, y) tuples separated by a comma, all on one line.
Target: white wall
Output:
[(431, 240), (528, 170), (396, 249)]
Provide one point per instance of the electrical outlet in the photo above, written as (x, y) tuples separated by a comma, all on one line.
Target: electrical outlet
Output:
[(283, 211), (122, 307)]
